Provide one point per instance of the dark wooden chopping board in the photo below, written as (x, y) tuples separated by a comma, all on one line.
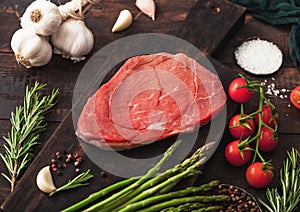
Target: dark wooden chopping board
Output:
[(207, 26)]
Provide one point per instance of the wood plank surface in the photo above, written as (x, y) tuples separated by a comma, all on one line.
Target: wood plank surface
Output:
[(171, 16), (61, 72), (252, 27), (64, 138)]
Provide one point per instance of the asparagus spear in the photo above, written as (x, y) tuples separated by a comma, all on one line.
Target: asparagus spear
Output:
[(167, 178), (97, 195), (135, 184), (181, 193), (187, 207), (183, 200), (193, 207), (187, 168), (157, 185)]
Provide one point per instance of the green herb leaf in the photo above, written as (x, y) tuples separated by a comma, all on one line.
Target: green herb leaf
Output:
[(27, 123), (76, 182), (288, 198)]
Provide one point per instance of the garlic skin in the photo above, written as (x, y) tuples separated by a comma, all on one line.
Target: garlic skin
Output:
[(44, 180), (123, 21), (73, 40), (41, 16), (31, 50), (147, 7)]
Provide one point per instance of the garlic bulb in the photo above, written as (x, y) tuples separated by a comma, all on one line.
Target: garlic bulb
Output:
[(147, 7), (44, 180), (31, 50), (41, 16), (123, 21), (73, 40)]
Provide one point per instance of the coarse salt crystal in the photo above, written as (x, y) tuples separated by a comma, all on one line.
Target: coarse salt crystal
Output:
[(273, 91), (259, 57)]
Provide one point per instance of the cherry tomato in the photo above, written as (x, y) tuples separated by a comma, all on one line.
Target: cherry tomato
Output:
[(241, 130), (268, 140), (269, 117), (258, 176), (239, 94), (295, 97), (234, 156)]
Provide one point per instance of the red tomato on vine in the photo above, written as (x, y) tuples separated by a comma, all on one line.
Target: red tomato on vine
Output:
[(259, 175), (239, 92)]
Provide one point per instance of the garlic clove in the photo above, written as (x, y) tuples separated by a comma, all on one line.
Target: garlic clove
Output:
[(123, 21), (44, 180), (147, 7), (73, 40), (31, 50), (41, 16)]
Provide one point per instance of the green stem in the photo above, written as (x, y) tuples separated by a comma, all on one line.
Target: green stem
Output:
[(250, 116), (242, 111), (258, 134), (159, 198), (78, 181), (97, 195), (153, 190), (183, 200), (140, 181), (158, 179), (150, 183)]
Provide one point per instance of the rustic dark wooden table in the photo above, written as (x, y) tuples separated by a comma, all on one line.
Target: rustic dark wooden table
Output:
[(171, 15)]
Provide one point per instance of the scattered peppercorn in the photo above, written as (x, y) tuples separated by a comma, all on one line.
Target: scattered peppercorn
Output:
[(79, 159), (58, 166)]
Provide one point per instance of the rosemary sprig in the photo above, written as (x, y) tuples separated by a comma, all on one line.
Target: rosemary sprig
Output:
[(289, 198), (76, 182), (27, 122)]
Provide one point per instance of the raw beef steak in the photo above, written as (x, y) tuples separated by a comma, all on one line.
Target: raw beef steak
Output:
[(150, 98)]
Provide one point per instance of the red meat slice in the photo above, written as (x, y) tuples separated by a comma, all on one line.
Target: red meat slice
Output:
[(151, 98)]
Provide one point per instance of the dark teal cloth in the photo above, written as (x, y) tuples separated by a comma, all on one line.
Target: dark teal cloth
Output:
[(278, 12)]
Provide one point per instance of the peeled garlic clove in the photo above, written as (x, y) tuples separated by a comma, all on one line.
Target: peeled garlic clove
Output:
[(44, 180), (123, 21), (147, 7), (73, 39), (41, 16), (31, 50)]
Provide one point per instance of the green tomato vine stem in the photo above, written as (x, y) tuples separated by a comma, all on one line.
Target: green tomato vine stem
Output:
[(261, 124)]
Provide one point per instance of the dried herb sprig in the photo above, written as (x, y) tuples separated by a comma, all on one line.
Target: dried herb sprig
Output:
[(27, 122), (76, 182), (288, 198)]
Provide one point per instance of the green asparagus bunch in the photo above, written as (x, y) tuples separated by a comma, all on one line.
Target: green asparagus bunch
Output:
[(152, 192)]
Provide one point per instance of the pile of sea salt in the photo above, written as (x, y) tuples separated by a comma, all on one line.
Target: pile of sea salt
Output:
[(259, 57)]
